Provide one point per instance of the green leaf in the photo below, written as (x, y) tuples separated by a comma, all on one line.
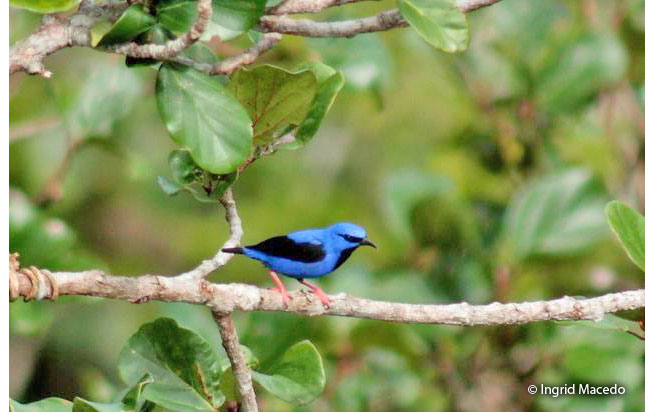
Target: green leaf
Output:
[(44, 6), (44, 405), (107, 93), (230, 18), (297, 376), (629, 227), (202, 115), (558, 214), (201, 53), (274, 98), (184, 169), (580, 71), (176, 15), (212, 191), (133, 399), (329, 83), (182, 364), (439, 22), (168, 186), (234, 17), (134, 21), (99, 30), (179, 398), (82, 405), (608, 322)]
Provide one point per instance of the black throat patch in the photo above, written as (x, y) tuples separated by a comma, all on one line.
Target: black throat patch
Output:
[(346, 253)]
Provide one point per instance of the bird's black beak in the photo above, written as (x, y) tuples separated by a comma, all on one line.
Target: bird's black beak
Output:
[(367, 242)]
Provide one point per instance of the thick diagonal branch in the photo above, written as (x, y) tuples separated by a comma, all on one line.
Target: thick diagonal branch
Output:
[(241, 371), (226, 298), (235, 234)]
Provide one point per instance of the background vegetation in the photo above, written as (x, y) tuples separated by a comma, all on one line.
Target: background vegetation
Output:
[(481, 176)]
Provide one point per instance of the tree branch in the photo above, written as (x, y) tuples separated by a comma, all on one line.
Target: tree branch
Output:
[(276, 21), (227, 66), (241, 371), (346, 28), (57, 33), (226, 298)]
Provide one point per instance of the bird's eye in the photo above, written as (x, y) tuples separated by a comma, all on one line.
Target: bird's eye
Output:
[(352, 239)]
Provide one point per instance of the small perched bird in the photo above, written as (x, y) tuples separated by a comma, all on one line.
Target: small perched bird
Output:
[(311, 253)]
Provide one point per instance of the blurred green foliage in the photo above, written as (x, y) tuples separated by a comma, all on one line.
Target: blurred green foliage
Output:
[(482, 176)]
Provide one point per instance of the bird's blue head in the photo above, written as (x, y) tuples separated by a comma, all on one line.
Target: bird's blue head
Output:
[(347, 235)]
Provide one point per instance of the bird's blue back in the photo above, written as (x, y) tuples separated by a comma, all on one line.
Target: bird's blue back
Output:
[(307, 253)]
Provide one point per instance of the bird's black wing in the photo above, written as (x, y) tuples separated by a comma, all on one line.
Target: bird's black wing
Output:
[(284, 247)]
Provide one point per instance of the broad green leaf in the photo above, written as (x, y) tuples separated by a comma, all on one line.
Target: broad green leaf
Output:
[(329, 83), (202, 115), (201, 53), (580, 71), (44, 405), (182, 364), (176, 15), (403, 191), (364, 61), (134, 21), (629, 227), (274, 98), (44, 6), (107, 93), (179, 398), (230, 17), (439, 22), (558, 214), (234, 17), (82, 405), (297, 376)]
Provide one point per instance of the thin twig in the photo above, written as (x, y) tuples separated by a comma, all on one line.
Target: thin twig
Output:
[(345, 28), (235, 234), (305, 6), (239, 367), (226, 298), (227, 66)]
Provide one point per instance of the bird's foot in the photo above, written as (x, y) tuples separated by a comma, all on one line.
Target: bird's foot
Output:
[(322, 297), (284, 294), (280, 288), (317, 291)]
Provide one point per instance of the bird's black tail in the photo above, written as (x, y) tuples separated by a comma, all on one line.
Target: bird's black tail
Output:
[(235, 250)]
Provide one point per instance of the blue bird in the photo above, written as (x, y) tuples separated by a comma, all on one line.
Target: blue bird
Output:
[(311, 253)]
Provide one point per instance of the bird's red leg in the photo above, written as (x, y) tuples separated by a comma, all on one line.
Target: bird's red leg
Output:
[(280, 288), (317, 290)]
